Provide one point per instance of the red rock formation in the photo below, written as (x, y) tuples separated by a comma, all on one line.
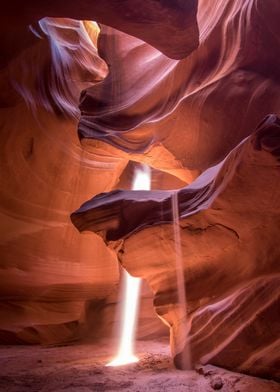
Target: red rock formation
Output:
[(229, 223), (180, 117), (208, 102), (55, 284), (168, 25), (48, 271)]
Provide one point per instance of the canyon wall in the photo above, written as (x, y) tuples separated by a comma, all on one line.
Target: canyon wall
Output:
[(180, 86), (229, 228)]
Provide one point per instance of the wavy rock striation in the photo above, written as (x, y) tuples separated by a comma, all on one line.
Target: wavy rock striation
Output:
[(190, 113), (208, 101), (56, 286), (168, 25), (229, 225), (48, 271)]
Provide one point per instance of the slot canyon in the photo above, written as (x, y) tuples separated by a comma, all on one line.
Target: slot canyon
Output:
[(185, 93)]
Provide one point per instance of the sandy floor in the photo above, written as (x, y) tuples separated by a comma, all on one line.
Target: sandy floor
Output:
[(81, 368)]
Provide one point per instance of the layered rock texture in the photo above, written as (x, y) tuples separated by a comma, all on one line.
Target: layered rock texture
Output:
[(229, 225), (47, 271), (56, 286), (180, 86), (198, 108), (168, 25)]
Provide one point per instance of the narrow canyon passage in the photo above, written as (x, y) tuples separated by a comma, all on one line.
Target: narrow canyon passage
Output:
[(140, 142)]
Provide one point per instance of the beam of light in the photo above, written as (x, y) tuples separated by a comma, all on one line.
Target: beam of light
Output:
[(132, 287), (182, 299)]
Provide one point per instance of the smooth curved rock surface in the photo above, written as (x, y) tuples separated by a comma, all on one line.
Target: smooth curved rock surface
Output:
[(55, 284), (241, 331), (209, 101), (229, 226), (51, 74), (180, 117), (168, 25)]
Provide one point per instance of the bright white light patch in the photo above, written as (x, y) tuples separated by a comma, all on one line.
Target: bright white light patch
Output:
[(129, 317), (132, 286), (142, 179)]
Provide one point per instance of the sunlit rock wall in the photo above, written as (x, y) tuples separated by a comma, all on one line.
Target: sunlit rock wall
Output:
[(176, 85), (48, 271), (229, 230), (56, 286), (197, 108)]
